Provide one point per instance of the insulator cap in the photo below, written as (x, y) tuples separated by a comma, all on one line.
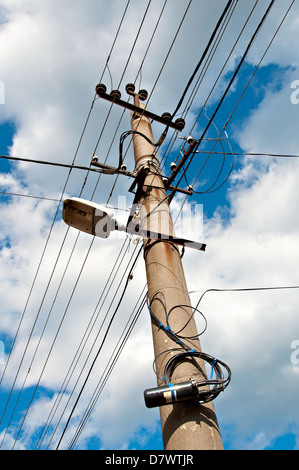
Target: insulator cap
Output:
[(166, 116), (130, 88), (180, 123), (116, 94), (143, 94), (101, 88)]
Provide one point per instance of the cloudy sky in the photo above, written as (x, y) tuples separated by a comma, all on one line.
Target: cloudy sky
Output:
[(60, 288)]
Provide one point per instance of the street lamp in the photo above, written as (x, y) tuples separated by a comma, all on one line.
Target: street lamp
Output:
[(99, 221), (90, 217)]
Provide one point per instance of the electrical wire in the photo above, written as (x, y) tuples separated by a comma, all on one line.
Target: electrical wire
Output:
[(135, 42), (170, 48), (239, 100), (209, 59), (98, 352), (218, 25), (41, 162), (91, 326), (212, 387), (228, 5), (247, 289), (110, 365), (149, 2), (45, 248), (40, 198), (244, 154), (231, 82)]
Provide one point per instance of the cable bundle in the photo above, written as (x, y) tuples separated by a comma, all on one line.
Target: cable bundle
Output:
[(196, 391)]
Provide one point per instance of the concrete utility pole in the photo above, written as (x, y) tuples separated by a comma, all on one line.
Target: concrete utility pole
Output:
[(184, 427)]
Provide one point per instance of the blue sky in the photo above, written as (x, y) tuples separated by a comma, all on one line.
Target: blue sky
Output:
[(250, 224)]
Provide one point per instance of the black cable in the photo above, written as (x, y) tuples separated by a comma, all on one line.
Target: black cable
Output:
[(90, 327), (248, 289), (122, 140), (244, 154), (98, 352), (41, 162), (186, 308), (231, 115), (30, 196), (232, 80), (228, 5), (65, 187), (230, 2), (109, 368), (219, 384), (205, 390)]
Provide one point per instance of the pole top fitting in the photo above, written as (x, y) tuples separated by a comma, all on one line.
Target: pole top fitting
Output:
[(142, 94)]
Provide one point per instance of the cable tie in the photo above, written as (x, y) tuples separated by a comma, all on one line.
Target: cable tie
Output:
[(191, 352), (171, 386)]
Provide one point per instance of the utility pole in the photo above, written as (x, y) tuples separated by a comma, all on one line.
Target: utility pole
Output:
[(184, 426), (184, 394)]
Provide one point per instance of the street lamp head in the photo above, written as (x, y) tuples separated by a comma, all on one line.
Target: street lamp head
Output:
[(89, 217), (99, 221)]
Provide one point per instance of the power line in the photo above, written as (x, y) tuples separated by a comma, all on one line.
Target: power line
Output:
[(99, 350), (45, 246), (48, 239), (244, 154), (106, 119), (115, 39), (111, 364), (41, 162), (218, 25), (91, 326), (239, 100), (232, 80), (246, 289), (211, 55), (5, 193)]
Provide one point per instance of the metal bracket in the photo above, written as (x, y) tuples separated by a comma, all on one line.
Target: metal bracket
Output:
[(115, 97), (110, 170)]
